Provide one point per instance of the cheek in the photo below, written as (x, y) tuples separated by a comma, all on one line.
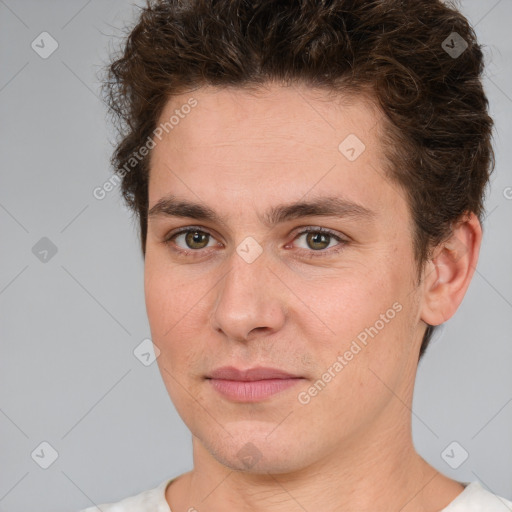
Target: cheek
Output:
[(176, 312), (368, 362), (169, 296), (354, 300), (366, 313)]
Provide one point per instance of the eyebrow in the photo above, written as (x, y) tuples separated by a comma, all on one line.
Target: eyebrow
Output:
[(327, 206)]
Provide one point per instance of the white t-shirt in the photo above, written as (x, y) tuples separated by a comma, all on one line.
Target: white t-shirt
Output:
[(474, 498)]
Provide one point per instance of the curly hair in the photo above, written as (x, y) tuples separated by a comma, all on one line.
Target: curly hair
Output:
[(418, 59)]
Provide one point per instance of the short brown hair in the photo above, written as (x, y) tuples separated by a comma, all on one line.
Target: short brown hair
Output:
[(438, 131)]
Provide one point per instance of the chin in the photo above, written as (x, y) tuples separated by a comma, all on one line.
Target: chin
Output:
[(257, 448)]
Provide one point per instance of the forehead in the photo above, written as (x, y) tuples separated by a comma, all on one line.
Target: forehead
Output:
[(274, 143), (240, 115)]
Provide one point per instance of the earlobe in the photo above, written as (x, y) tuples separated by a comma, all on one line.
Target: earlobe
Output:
[(449, 272)]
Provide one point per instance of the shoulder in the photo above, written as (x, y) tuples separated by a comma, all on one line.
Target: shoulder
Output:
[(475, 498), (151, 500)]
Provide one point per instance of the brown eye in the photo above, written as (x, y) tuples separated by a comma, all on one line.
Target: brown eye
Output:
[(196, 239), (190, 239), (318, 241), (315, 242)]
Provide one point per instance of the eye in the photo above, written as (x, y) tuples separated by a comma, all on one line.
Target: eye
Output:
[(317, 240), (192, 240)]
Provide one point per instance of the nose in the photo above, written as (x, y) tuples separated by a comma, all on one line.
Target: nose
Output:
[(250, 299)]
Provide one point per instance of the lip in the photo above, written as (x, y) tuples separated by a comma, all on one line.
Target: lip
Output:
[(249, 375), (252, 385)]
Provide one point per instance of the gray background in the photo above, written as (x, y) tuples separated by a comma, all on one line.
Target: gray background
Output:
[(69, 325)]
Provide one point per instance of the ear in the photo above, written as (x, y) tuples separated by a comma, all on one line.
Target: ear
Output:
[(448, 273)]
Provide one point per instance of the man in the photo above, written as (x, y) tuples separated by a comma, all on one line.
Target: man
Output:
[(309, 178)]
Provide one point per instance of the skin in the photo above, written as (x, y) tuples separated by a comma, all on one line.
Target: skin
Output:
[(350, 447)]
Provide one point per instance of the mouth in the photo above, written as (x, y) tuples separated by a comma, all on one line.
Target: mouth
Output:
[(252, 385)]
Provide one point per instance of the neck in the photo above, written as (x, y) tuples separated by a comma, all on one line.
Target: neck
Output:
[(377, 469)]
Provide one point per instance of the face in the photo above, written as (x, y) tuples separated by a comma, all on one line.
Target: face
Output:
[(247, 278)]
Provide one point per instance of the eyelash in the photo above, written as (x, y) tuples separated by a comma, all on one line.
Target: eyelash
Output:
[(310, 253)]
